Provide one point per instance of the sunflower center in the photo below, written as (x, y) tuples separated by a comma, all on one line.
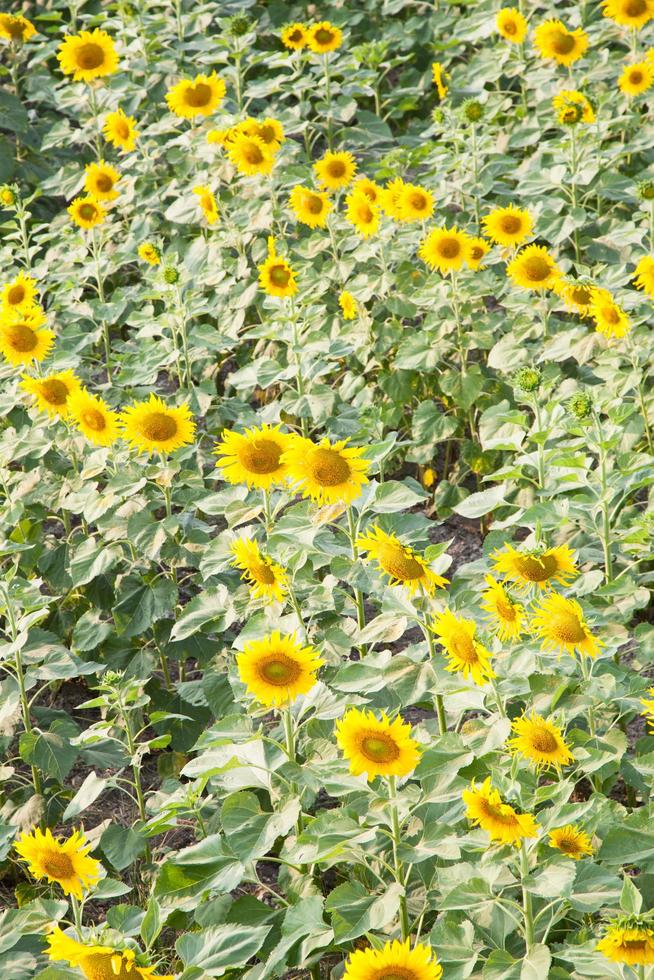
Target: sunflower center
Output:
[(261, 456), (476, 253), (396, 973), (498, 813), (94, 419), (280, 275), (418, 201), (634, 945), (510, 27), (323, 36), (543, 741), (58, 865), (104, 183), (571, 114), (295, 36), (567, 627), (15, 27), (568, 845), (198, 95), (90, 56), (262, 573), (505, 610), (634, 8), (336, 168), (536, 569), (563, 42), (611, 315), (22, 338), (464, 648), (252, 154), (511, 224), (449, 248), (122, 129), (401, 565), (581, 295), (16, 295), (267, 133), (99, 966), (87, 211), (379, 748), (364, 212), (313, 203), (329, 468), (636, 76), (158, 427), (54, 391), (280, 670), (537, 269)]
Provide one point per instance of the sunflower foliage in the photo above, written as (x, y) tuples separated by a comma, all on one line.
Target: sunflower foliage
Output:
[(326, 465)]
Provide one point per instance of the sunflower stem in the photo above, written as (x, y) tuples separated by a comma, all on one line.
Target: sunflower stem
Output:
[(97, 139), (95, 250), (498, 698), (77, 915), (289, 733), (267, 514), (604, 504), (438, 698), (397, 864), (526, 898), (358, 595), (182, 328), (585, 673), (328, 97)]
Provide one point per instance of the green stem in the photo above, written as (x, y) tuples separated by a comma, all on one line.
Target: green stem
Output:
[(606, 517), (397, 864), (498, 699), (95, 250), (77, 915), (358, 595), (328, 96), (439, 706), (526, 898), (166, 671), (97, 139), (540, 446), (182, 326), (24, 235), (267, 513), (289, 733), (585, 672)]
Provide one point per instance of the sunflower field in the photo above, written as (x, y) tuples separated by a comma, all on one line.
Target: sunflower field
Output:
[(327, 490)]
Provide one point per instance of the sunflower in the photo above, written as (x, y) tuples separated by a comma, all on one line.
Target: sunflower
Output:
[(99, 962), (636, 79), (52, 392), (511, 25), (154, 427), (254, 457), (643, 275), (478, 249), (372, 190), (362, 214), (533, 268), (88, 55), (414, 203), (389, 198), (575, 294), (445, 249), (250, 155), (538, 567), (508, 226), (465, 654), (486, 809), (16, 28), (20, 294), (120, 130), (401, 563), (100, 180), (267, 579), (309, 206), (324, 37), (150, 253), (199, 96), (22, 337), (64, 862), (86, 212), (629, 13), (505, 616), (572, 107), (329, 473), (335, 170), (571, 841), (610, 319), (376, 747), (648, 704), (220, 137), (294, 36), (276, 277), (628, 941), (271, 132), (560, 624), (93, 418), (394, 960), (277, 669), (207, 203), (439, 78), (540, 741), (348, 305), (555, 42)]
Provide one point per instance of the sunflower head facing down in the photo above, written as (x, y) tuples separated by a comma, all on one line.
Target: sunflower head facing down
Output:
[(23, 338), (310, 207), (610, 319), (207, 203), (16, 28), (464, 653), (555, 42), (376, 746), (636, 79), (511, 25), (508, 226), (324, 37), (571, 841), (445, 249), (395, 960), (533, 268), (52, 392), (277, 669), (335, 170), (86, 212), (154, 427), (504, 825), (629, 13), (199, 96), (628, 940), (362, 213), (254, 457), (100, 181), (327, 472), (539, 741), (572, 107), (506, 617), (93, 417), (88, 55), (648, 713), (348, 305), (538, 568), (64, 862), (276, 277), (560, 624), (399, 562), (120, 130), (98, 962), (265, 577), (440, 78), (20, 294), (294, 37)]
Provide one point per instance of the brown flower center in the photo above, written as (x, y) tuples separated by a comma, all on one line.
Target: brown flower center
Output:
[(336, 169), (543, 741), (262, 573), (261, 456), (511, 224), (104, 183), (567, 627), (635, 8), (580, 295), (464, 648), (328, 467), (252, 153), (563, 42), (22, 338), (94, 419), (324, 36), (198, 96), (90, 56), (449, 248), (313, 203), (16, 294), (611, 315), (536, 569), (498, 813), (158, 427), (418, 201), (280, 670), (379, 747), (122, 129), (58, 865), (537, 269), (400, 564), (295, 36), (87, 211), (505, 609), (280, 275), (54, 391), (510, 27)]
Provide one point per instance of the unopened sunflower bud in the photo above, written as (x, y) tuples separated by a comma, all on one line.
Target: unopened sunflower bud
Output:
[(7, 196), (527, 379), (472, 110), (171, 275), (438, 116), (581, 405), (239, 25), (646, 190)]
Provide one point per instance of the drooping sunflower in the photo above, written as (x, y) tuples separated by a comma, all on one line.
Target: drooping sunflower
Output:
[(154, 427), (572, 107), (643, 275), (505, 616), (555, 42), (23, 338), (440, 78), (610, 319), (294, 37), (414, 203), (372, 190), (465, 654), (538, 567), (511, 25), (98, 962), (629, 13), (52, 392), (395, 960), (533, 268), (335, 170), (362, 214), (540, 741), (508, 226), (376, 746), (504, 825), (575, 294), (348, 305), (100, 181), (250, 155), (445, 249), (88, 55), (267, 579), (150, 253), (627, 940), (277, 669), (327, 472), (86, 212), (324, 37), (20, 294), (199, 96), (93, 417), (636, 79), (389, 198), (207, 203), (276, 276), (254, 457), (64, 862), (648, 704), (309, 206), (571, 841), (478, 249), (120, 130), (399, 562), (560, 624), (16, 28)]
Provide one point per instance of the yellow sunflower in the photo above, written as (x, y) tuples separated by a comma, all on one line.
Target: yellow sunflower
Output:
[(648, 704), (324, 37), (505, 616), (335, 170), (16, 28), (20, 294), (372, 190), (555, 42), (250, 155), (88, 55), (629, 13), (636, 79), (207, 203), (439, 78), (254, 457), (478, 249), (277, 669), (65, 862), (154, 427), (52, 392), (362, 214), (643, 275), (99, 962), (628, 942), (276, 277), (389, 198), (309, 206), (100, 180), (120, 130), (538, 567), (220, 137), (199, 96), (511, 25), (575, 294), (394, 961), (23, 338), (504, 825), (533, 268), (445, 249), (400, 562), (294, 36), (539, 741), (610, 319), (508, 226), (150, 253), (376, 747), (329, 473), (465, 654), (572, 107), (414, 203), (93, 417), (571, 841), (560, 624), (348, 305), (86, 212), (267, 579), (270, 131)]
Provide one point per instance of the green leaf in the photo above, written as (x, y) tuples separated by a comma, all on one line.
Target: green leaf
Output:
[(196, 869), (250, 832), (221, 948), (122, 845), (355, 911), (484, 502), (51, 751), (212, 606), (89, 791), (631, 900), (141, 604)]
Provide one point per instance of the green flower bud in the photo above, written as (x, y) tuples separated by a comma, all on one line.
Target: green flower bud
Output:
[(171, 275), (581, 405), (646, 190), (7, 196), (472, 110), (239, 25), (527, 379), (438, 116)]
